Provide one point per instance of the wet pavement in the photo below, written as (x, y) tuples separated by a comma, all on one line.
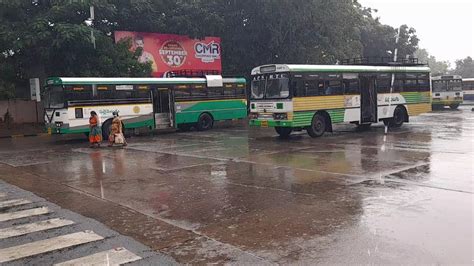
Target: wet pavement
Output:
[(244, 195)]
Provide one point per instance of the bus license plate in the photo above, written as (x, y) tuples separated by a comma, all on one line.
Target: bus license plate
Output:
[(264, 123)]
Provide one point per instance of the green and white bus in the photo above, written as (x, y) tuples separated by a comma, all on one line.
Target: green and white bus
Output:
[(155, 103), (447, 91), (313, 97)]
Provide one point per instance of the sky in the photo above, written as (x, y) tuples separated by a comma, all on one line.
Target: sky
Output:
[(445, 27)]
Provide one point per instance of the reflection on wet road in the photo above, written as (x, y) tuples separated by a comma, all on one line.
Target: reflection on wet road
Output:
[(248, 196)]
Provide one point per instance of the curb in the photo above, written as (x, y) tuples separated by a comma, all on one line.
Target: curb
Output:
[(24, 136)]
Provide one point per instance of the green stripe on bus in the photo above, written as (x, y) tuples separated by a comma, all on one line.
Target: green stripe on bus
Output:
[(415, 97), (219, 110), (302, 119), (337, 115)]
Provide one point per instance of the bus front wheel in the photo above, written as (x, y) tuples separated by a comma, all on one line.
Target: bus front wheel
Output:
[(106, 127), (454, 106), (318, 126), (284, 132), (205, 122), (399, 116)]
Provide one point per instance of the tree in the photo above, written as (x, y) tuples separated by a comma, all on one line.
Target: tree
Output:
[(465, 67), (51, 38), (437, 67), (379, 40)]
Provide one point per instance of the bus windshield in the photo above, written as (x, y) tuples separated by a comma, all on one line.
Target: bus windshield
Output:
[(439, 85), (274, 86), (455, 85), (54, 97)]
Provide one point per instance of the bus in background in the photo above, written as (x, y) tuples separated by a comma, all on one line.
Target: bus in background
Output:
[(447, 91), (313, 97), (155, 103), (468, 89)]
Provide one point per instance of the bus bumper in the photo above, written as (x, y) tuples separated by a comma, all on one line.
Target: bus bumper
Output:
[(270, 123), (52, 128)]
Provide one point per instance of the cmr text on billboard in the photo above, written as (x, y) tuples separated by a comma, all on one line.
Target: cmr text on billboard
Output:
[(170, 52)]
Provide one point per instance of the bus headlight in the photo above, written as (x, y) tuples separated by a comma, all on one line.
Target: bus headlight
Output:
[(59, 124), (253, 116), (280, 116)]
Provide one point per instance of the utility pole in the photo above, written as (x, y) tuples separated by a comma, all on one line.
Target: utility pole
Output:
[(91, 19), (395, 58)]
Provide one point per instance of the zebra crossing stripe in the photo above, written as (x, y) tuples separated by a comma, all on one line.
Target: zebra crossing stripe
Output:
[(22, 214), (13, 203), (47, 245), (33, 227), (110, 257)]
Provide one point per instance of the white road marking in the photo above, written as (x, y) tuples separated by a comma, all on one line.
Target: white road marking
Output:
[(110, 257), (47, 245), (33, 227), (22, 214), (13, 203)]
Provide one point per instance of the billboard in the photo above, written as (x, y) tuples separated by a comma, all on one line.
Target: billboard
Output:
[(170, 52)]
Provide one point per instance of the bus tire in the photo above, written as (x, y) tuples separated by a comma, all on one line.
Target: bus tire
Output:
[(106, 127), (318, 126), (454, 106), (205, 122), (284, 132), (399, 116)]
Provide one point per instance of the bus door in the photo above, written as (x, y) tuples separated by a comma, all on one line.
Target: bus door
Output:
[(162, 108), (368, 99)]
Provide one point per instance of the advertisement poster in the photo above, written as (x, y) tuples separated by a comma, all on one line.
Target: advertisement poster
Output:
[(169, 52)]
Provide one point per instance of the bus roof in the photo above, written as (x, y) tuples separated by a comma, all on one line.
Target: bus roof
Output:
[(337, 68), (468, 80), (132, 81)]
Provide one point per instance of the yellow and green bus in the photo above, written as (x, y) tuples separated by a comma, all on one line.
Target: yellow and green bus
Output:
[(156, 103), (447, 91), (313, 97)]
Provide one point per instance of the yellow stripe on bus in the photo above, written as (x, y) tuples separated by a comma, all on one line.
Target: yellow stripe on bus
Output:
[(417, 109), (318, 103)]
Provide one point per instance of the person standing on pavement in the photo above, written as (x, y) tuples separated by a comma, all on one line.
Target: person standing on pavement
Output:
[(95, 134), (116, 133)]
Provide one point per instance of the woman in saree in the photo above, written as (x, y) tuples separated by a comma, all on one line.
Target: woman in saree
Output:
[(95, 134), (116, 133)]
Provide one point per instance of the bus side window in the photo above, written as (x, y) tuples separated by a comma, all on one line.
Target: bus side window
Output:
[(410, 83), (214, 92), (104, 92), (240, 91), (423, 82), (229, 92), (298, 86), (314, 85), (141, 91), (198, 91), (384, 82), (398, 84), (333, 87), (78, 92), (350, 83), (182, 93)]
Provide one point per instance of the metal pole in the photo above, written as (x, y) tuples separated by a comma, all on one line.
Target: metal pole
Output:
[(92, 16), (395, 57)]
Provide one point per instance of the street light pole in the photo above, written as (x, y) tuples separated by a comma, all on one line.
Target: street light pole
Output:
[(92, 16)]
